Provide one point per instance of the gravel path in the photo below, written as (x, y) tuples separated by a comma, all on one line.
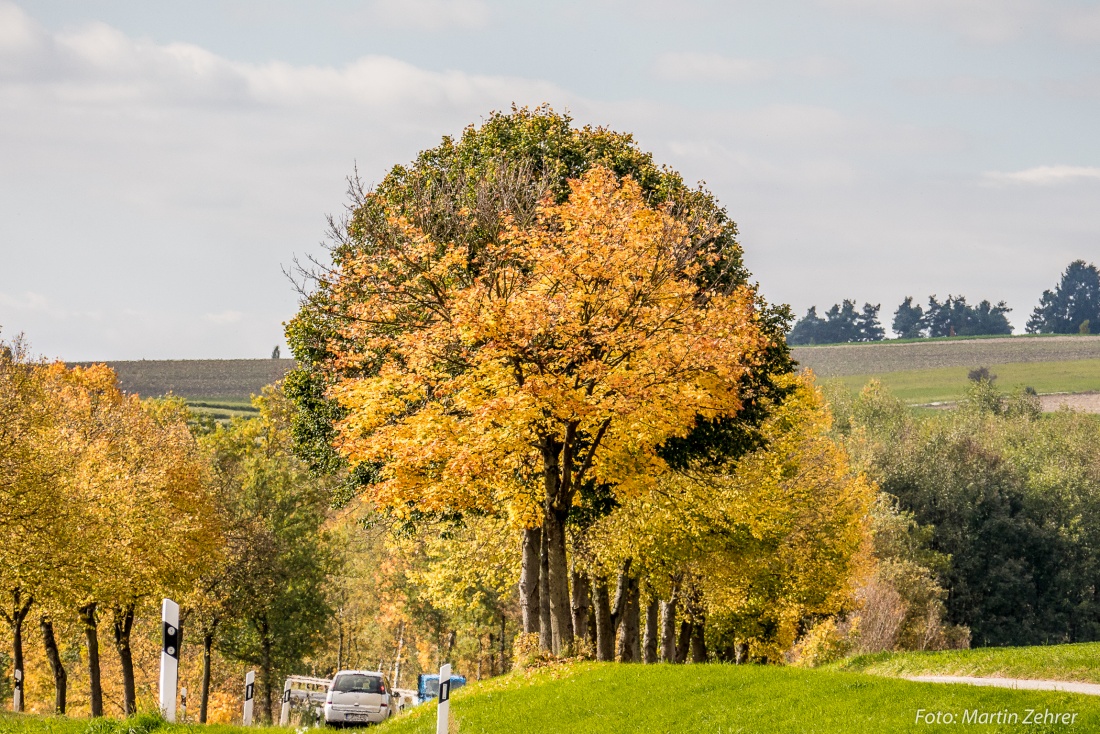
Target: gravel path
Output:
[(1087, 402), (1091, 689)]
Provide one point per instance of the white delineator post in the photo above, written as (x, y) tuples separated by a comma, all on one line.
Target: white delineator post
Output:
[(444, 711), (169, 659), (17, 695), (249, 690), (284, 714)]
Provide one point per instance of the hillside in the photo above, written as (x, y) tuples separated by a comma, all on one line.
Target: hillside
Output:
[(872, 358), (198, 379), (936, 371), (597, 698), (1079, 662)]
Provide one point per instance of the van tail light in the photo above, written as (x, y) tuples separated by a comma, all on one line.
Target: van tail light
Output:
[(382, 688), (328, 698)]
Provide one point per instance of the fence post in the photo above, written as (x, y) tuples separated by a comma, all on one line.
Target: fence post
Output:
[(169, 659), (249, 690), (444, 710)]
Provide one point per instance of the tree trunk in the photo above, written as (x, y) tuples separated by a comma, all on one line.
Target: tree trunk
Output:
[(649, 652), (397, 658), (91, 635), (546, 635), (19, 610), (561, 618), (684, 642), (605, 632), (629, 627), (124, 622), (204, 696), (668, 626), (503, 646), (529, 579), (698, 643), (60, 682), (266, 673), (580, 605)]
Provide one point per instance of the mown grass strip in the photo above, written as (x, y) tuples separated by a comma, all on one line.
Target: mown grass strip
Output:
[(950, 383), (141, 724), (1079, 662), (615, 699)]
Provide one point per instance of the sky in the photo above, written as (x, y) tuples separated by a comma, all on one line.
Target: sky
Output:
[(163, 164)]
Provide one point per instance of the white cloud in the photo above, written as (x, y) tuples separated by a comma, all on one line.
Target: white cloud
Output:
[(966, 86), (980, 20), (689, 66), (430, 14), (172, 180), (986, 21), (1080, 24), (225, 317), (1045, 175), (700, 67)]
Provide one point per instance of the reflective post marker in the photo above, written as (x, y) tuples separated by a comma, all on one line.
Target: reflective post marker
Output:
[(17, 702), (284, 715), (444, 710), (169, 659), (249, 689)]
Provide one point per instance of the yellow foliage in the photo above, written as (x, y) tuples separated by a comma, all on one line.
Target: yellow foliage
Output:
[(588, 327), (777, 538)]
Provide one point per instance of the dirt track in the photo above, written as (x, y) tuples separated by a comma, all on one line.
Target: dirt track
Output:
[(1087, 402)]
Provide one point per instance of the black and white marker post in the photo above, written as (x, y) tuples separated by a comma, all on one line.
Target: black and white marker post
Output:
[(169, 659), (249, 690), (444, 710), (17, 701), (284, 712)]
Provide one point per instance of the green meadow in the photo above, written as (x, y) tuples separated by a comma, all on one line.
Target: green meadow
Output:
[(1080, 662), (944, 384)]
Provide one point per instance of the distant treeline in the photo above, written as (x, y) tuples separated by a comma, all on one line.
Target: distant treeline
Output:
[(1073, 307)]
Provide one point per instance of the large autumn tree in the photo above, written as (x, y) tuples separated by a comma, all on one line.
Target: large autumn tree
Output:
[(475, 210)]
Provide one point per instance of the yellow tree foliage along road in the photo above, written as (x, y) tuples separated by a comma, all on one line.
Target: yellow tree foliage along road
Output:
[(585, 340)]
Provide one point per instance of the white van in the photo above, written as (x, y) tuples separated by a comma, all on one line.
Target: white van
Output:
[(358, 697)]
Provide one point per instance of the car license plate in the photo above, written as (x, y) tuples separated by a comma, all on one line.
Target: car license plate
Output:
[(356, 717)]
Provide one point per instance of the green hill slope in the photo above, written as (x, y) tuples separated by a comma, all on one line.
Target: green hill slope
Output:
[(604, 698), (935, 370), (1080, 662)]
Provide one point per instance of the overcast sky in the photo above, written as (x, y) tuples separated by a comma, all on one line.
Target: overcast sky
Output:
[(160, 163)]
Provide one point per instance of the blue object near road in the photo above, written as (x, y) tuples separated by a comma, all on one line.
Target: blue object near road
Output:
[(427, 686)]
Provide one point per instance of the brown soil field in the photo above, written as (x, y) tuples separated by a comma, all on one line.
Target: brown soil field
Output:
[(839, 360), (231, 379)]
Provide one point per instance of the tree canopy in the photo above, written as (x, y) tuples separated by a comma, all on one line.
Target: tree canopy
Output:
[(1073, 306), (842, 323)]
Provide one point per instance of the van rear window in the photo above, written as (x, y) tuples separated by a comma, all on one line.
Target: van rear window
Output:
[(357, 683)]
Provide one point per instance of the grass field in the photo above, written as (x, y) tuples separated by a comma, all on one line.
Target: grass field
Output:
[(950, 383), (611, 699), (602, 698), (13, 724), (1080, 662), (877, 358), (142, 724)]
